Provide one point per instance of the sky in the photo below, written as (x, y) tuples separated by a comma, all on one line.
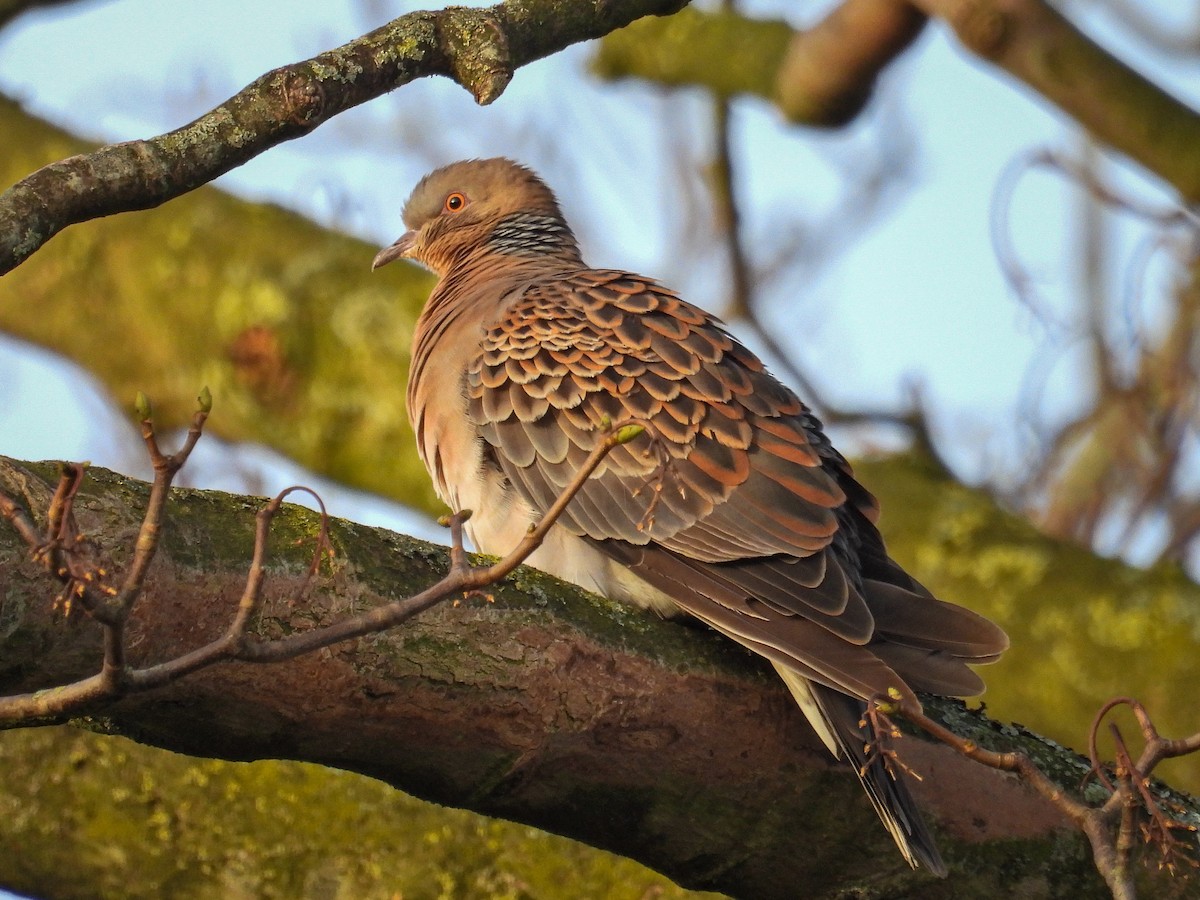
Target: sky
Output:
[(913, 295)]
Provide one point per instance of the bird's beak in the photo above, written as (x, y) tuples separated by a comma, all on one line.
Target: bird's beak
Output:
[(402, 249)]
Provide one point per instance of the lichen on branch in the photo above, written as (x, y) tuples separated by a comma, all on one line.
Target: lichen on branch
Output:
[(480, 49)]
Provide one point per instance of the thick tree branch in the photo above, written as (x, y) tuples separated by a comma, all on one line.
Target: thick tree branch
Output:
[(723, 51), (479, 49), (829, 73), (823, 75), (547, 706)]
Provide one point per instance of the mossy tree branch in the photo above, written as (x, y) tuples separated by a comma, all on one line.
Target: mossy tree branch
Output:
[(478, 48), (821, 76), (89, 583), (548, 706), (1119, 107)]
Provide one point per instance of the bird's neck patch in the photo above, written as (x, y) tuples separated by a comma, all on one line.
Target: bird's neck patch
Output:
[(532, 234)]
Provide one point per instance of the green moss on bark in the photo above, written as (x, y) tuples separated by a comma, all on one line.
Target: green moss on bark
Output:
[(90, 816)]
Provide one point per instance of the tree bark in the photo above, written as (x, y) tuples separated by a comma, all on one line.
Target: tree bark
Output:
[(656, 740)]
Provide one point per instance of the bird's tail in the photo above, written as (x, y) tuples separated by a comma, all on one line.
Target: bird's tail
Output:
[(835, 717)]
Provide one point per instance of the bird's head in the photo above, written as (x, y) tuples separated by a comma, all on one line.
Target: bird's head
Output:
[(479, 206)]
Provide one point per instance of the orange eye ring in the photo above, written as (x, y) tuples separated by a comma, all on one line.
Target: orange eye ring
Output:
[(455, 202)]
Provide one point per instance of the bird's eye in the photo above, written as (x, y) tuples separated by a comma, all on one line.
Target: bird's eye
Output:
[(455, 202)]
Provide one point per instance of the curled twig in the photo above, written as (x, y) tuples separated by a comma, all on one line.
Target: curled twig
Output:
[(1110, 828), (1104, 192)]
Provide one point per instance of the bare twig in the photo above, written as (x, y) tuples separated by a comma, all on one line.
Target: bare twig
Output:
[(18, 519), (743, 305), (1102, 191), (60, 548), (1125, 458), (1129, 798), (724, 195), (234, 641), (117, 679)]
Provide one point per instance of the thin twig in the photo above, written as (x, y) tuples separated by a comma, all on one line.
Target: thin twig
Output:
[(728, 214), (1127, 798), (165, 469), (18, 519), (116, 679)]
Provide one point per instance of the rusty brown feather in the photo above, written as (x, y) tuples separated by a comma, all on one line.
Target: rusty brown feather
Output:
[(746, 517)]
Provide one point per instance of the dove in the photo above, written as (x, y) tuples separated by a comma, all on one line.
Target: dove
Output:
[(733, 507)]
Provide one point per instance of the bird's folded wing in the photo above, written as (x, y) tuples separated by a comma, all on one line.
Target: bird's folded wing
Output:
[(729, 441), (734, 503), (930, 655)]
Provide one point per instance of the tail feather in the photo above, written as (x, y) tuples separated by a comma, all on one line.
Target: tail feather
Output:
[(835, 717)]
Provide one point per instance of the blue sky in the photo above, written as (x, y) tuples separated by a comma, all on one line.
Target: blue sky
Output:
[(914, 296)]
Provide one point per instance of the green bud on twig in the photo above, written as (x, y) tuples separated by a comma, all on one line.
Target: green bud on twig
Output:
[(462, 515), (205, 400), (141, 405), (627, 433)]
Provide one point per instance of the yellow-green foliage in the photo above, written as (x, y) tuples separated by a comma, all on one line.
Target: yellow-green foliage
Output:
[(85, 815)]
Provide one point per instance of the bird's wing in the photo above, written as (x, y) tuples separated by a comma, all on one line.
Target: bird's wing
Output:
[(600, 347), (735, 504)]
